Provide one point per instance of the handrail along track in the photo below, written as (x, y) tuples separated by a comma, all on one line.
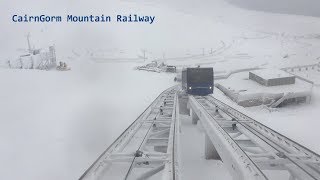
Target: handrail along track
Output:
[(259, 129), (142, 150), (266, 151), (249, 149)]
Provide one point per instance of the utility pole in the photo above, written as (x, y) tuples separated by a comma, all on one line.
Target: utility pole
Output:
[(144, 55), (9, 63), (29, 45)]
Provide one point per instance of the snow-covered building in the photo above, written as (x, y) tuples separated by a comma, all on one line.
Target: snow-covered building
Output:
[(273, 77), (270, 87), (43, 59)]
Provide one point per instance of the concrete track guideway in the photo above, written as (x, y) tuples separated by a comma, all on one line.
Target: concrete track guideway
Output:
[(149, 147), (249, 149), (146, 149)]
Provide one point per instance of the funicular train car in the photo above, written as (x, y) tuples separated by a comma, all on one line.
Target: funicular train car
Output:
[(198, 81)]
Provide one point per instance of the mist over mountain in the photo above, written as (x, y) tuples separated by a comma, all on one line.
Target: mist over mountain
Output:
[(298, 7)]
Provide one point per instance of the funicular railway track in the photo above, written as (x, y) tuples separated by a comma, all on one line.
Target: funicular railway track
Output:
[(251, 150), (146, 149)]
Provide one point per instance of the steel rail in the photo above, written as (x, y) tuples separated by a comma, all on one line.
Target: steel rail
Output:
[(83, 176), (144, 138), (255, 167), (265, 139), (171, 136), (264, 126)]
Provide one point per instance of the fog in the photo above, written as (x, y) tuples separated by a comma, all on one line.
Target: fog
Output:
[(55, 124), (116, 35), (298, 7)]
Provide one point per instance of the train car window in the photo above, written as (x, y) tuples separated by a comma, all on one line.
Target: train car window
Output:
[(200, 76)]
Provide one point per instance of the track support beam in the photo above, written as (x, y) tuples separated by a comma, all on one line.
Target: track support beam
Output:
[(210, 151), (194, 116)]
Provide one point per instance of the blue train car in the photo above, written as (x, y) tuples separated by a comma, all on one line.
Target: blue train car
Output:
[(198, 81)]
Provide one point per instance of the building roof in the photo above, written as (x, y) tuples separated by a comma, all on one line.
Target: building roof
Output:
[(239, 83), (271, 73)]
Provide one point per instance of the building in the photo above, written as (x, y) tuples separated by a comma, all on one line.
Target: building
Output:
[(172, 69), (270, 87), (43, 59), (271, 77)]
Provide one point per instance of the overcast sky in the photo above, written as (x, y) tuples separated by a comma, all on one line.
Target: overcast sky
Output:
[(12, 34), (299, 7)]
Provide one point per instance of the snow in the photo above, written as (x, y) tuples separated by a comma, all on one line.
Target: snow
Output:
[(192, 157), (298, 122), (31, 61), (310, 74), (55, 124), (240, 83), (271, 73)]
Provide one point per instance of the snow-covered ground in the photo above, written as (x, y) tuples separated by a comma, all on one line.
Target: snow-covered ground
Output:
[(310, 74), (192, 155), (54, 124), (240, 83), (298, 122)]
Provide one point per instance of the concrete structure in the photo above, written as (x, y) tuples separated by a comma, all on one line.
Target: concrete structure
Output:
[(273, 88), (249, 149), (148, 147), (153, 146), (194, 117), (272, 77), (210, 152)]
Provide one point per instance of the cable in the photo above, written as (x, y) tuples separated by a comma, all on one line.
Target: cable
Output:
[(130, 168)]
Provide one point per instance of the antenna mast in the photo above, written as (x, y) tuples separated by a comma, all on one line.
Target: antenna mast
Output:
[(29, 46)]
